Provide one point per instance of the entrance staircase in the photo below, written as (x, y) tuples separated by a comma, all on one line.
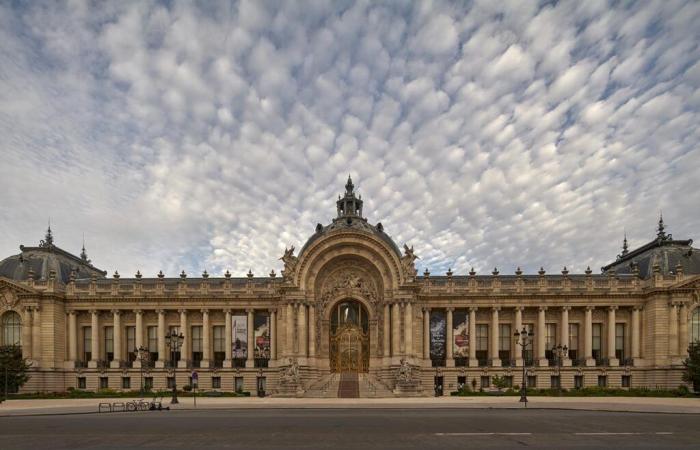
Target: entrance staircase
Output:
[(349, 386), (325, 387)]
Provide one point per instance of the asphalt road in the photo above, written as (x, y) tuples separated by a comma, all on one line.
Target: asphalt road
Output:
[(353, 428)]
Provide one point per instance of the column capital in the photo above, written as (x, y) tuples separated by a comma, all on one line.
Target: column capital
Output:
[(70, 312), (160, 311), (495, 308), (426, 309), (204, 311), (116, 312), (566, 308), (250, 310), (450, 309), (182, 311), (590, 308), (138, 311), (542, 308), (227, 310), (637, 307), (272, 310), (473, 309), (612, 307), (94, 312), (519, 308)]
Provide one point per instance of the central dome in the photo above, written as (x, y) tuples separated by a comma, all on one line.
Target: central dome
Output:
[(349, 217)]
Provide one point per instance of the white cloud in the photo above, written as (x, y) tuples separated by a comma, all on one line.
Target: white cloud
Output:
[(184, 138)]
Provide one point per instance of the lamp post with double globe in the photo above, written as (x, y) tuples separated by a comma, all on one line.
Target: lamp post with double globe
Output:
[(559, 353), (143, 357), (174, 342), (524, 339)]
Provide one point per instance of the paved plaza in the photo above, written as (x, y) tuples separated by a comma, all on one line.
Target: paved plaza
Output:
[(360, 427)]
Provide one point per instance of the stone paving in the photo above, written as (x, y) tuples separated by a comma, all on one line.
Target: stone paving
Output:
[(621, 404)]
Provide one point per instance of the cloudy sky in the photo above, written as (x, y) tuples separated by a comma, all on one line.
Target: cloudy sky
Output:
[(176, 136)]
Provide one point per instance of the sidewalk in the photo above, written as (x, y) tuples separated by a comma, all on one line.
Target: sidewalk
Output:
[(620, 404)]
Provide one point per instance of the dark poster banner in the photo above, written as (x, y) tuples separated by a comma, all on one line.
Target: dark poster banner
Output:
[(460, 333), (261, 324), (438, 334)]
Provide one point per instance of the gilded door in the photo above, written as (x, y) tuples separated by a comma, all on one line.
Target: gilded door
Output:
[(349, 349)]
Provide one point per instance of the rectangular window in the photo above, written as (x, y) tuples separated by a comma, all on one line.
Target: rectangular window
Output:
[(482, 343), (461, 382), (554, 381), (505, 339), (485, 381), (109, 343), (153, 343), (126, 383), (620, 341), (174, 330), (550, 340), (197, 343), (532, 381), (148, 383), (238, 384), (508, 381), (578, 381), (171, 382), (219, 345), (131, 343), (104, 383), (602, 381), (87, 343), (82, 383), (216, 382), (597, 344), (528, 352), (626, 381), (573, 341)]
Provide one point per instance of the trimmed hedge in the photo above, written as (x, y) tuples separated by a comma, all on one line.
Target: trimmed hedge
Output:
[(680, 391), (110, 393)]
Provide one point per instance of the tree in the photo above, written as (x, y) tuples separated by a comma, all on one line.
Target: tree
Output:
[(692, 366), (500, 382), (13, 369)]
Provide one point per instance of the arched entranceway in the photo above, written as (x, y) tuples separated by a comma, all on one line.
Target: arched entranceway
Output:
[(349, 337)]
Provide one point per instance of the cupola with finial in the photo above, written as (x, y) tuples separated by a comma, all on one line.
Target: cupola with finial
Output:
[(47, 242), (349, 205)]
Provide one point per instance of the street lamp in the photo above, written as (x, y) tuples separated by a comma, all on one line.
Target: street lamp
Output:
[(142, 355), (559, 353), (524, 339), (174, 342)]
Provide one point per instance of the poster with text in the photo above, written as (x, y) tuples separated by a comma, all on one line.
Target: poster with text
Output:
[(240, 336), (261, 322), (438, 334), (460, 333)]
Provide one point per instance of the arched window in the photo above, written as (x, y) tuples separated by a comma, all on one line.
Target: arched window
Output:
[(11, 329), (695, 326)]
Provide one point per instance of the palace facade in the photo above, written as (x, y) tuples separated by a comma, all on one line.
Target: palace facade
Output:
[(349, 315)]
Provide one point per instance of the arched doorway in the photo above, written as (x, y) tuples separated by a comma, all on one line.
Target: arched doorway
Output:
[(349, 337)]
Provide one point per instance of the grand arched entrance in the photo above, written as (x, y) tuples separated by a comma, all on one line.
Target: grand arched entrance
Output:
[(349, 337)]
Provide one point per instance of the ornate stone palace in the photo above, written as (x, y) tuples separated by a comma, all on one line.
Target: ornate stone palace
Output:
[(349, 311)]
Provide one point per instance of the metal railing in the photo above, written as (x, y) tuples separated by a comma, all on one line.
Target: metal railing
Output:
[(261, 362), (483, 362), (438, 362), (239, 363), (461, 361), (218, 363), (508, 362)]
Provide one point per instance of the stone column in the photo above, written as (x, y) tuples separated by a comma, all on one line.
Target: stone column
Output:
[(673, 330), (273, 334), (387, 330), (408, 329), (312, 331), (472, 338), (495, 335), (613, 361), (588, 337), (566, 361), (395, 329), (250, 362), (289, 331), (161, 339), (36, 334), (683, 331), (228, 339), (95, 339), (116, 338), (426, 333), (185, 348), (541, 324), (518, 350), (636, 354), (206, 341), (72, 336), (303, 331), (27, 333), (449, 341), (138, 341)]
